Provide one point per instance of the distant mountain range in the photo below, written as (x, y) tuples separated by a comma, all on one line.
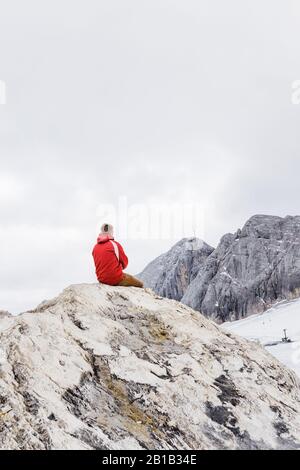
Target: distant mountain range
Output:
[(248, 272)]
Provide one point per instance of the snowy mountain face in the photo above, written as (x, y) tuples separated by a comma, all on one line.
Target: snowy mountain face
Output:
[(170, 274), (103, 367), (268, 329), (245, 274)]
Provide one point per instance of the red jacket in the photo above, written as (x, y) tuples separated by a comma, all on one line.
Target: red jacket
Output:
[(108, 269)]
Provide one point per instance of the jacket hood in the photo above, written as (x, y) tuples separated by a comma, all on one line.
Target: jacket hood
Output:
[(104, 238)]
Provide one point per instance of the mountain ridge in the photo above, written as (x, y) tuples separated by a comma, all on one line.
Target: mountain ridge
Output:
[(170, 273), (102, 367), (248, 271)]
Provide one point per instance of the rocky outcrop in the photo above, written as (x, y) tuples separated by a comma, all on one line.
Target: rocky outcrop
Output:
[(5, 319), (4, 314), (170, 274), (249, 270), (103, 367)]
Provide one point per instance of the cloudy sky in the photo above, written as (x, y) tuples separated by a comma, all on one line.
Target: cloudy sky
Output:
[(171, 101)]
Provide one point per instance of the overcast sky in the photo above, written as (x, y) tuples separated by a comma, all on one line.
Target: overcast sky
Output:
[(173, 101)]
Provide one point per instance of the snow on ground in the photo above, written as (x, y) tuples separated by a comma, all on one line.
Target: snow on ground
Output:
[(267, 328)]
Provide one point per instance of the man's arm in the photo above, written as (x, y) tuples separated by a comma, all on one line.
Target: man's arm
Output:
[(123, 258)]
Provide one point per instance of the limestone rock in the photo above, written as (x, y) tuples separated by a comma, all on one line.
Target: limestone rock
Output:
[(103, 367)]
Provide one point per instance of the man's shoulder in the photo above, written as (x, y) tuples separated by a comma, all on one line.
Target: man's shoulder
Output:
[(118, 243)]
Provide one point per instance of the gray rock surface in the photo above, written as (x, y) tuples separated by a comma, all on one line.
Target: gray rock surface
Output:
[(249, 270), (4, 314), (247, 273), (103, 367), (170, 274)]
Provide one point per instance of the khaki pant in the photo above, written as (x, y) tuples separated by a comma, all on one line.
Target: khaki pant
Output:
[(128, 281)]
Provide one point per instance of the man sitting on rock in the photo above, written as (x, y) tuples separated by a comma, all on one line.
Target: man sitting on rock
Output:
[(110, 260)]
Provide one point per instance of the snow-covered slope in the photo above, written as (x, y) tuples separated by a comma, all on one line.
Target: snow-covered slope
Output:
[(267, 328), (104, 367)]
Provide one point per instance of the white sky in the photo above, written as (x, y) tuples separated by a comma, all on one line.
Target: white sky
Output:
[(171, 100)]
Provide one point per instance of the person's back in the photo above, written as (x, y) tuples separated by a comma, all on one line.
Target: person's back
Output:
[(109, 269), (110, 260)]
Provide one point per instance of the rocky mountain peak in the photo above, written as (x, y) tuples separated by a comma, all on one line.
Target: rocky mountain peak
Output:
[(271, 227), (102, 367), (171, 273), (249, 270)]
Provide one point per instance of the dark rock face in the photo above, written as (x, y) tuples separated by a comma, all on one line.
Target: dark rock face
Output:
[(249, 270), (170, 274)]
